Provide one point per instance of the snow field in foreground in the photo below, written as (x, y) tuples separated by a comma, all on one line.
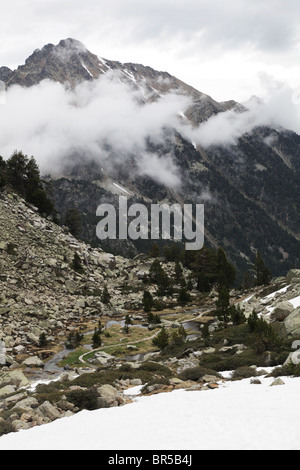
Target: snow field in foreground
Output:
[(237, 415)]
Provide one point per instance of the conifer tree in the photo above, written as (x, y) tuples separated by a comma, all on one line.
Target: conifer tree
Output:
[(162, 339), (147, 301), (73, 222), (96, 338), (226, 272), (263, 274), (223, 304), (105, 298)]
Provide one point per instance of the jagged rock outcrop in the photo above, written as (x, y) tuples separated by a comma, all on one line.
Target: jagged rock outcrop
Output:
[(282, 305)]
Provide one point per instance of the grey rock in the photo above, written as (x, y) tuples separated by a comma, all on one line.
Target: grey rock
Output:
[(19, 424), (27, 403), (33, 361), (277, 381), (107, 396), (14, 377), (291, 325), (282, 311), (292, 275), (7, 390), (136, 382), (47, 410)]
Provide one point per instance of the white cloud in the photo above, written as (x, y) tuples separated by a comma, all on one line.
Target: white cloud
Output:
[(102, 120), (279, 109)]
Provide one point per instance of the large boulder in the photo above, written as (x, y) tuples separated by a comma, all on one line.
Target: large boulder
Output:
[(26, 403), (107, 396), (14, 377), (47, 410), (291, 325), (7, 390), (33, 361), (293, 275), (107, 260), (282, 311), (103, 358), (143, 271)]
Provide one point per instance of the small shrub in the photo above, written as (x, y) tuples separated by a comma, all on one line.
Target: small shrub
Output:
[(153, 318), (76, 264), (84, 399), (184, 296), (196, 373), (155, 367), (243, 372), (5, 428), (74, 339), (11, 249), (125, 368)]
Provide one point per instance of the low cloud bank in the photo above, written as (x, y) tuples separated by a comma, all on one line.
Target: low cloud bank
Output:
[(110, 122), (103, 120)]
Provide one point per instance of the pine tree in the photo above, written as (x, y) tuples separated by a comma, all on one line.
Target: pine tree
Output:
[(154, 252), (226, 271), (23, 175), (184, 296), (16, 171), (73, 222), (3, 175), (128, 322), (76, 264), (162, 339), (178, 271), (105, 298), (42, 340), (96, 338), (223, 305), (179, 336), (147, 301), (153, 318), (159, 276), (263, 274), (247, 281), (204, 266)]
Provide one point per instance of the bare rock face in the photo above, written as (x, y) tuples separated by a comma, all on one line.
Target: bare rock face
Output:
[(292, 324), (293, 276), (5, 74)]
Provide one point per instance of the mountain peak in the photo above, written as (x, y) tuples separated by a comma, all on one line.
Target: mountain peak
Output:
[(67, 62), (72, 43)]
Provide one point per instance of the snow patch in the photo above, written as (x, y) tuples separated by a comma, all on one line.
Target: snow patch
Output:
[(84, 66), (238, 415), (122, 189)]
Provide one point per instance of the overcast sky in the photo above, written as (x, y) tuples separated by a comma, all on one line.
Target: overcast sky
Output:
[(228, 49)]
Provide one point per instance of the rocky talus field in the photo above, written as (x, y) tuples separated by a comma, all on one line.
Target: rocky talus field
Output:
[(51, 289)]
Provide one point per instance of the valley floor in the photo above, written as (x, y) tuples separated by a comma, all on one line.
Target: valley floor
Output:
[(239, 415)]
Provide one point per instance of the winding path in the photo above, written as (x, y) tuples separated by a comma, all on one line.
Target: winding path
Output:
[(81, 358)]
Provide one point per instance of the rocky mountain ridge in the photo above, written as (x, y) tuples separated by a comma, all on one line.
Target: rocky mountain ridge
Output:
[(70, 62)]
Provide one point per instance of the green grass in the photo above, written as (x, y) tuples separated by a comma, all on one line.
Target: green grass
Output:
[(72, 359)]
